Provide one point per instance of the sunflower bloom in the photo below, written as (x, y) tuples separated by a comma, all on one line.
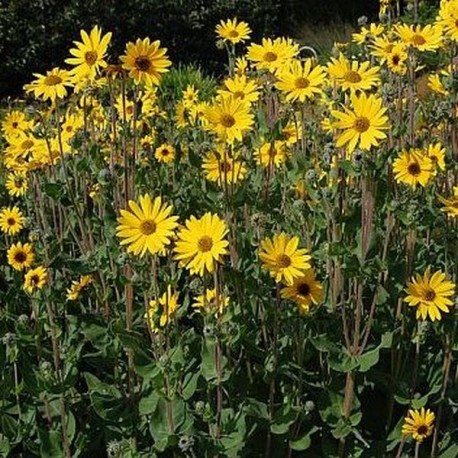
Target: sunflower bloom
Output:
[(35, 279), (233, 31), (271, 153), (165, 153), (419, 424), (448, 18), (240, 87), (201, 243), (20, 256), (74, 292), (451, 204), (11, 220), (229, 118), (413, 167), (164, 309), (272, 54), (89, 54), (305, 291), (283, 259), (51, 86), (16, 184), (427, 38), (353, 76), (209, 302), (147, 227), (146, 61), (301, 81), (222, 168), (430, 294), (363, 125)]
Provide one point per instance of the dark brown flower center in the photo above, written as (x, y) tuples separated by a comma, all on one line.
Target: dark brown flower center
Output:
[(303, 289), (422, 430), (352, 77), (396, 59), (429, 295), (301, 83), (20, 257), (270, 56), (53, 80), (15, 125), (143, 63), (227, 120), (90, 57), (225, 167), (239, 95), (418, 39), (35, 279), (205, 244), (147, 227), (361, 124), (283, 261), (11, 221), (414, 169)]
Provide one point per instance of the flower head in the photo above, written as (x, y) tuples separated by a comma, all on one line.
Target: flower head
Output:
[(419, 424), (233, 30), (11, 220), (20, 256), (35, 279)]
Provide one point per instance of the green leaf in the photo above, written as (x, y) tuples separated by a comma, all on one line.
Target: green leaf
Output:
[(451, 452), (304, 442)]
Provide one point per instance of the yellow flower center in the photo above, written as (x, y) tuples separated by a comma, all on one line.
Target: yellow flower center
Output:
[(270, 56), (233, 33), (11, 221), (205, 244), (418, 39), (303, 289), (143, 63), (130, 110), (90, 57), (147, 227), (52, 80), (429, 295), (283, 261), (301, 83), (361, 124), (414, 169), (227, 120), (20, 257), (27, 144), (352, 77)]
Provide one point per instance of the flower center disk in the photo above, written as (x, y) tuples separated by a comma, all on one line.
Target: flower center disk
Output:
[(147, 227), (205, 244), (361, 124), (283, 261)]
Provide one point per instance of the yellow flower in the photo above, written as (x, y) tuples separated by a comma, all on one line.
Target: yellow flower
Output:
[(363, 125), (305, 291), (74, 292), (427, 38), (201, 243), (436, 152), (451, 204), (89, 54), (72, 123), (396, 59), (165, 307), (353, 76), (11, 220), (20, 256), (419, 424), (283, 259), (430, 294), (240, 87), (448, 18), (145, 61), (367, 34), (15, 124), (232, 30), (35, 279), (436, 85), (229, 118), (292, 132), (271, 153), (241, 66), (51, 86), (209, 303), (147, 142), (165, 153), (272, 54), (222, 168), (16, 184), (190, 96), (147, 227), (413, 167), (301, 81)]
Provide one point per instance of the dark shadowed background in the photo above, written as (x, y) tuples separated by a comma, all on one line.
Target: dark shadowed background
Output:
[(35, 35)]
